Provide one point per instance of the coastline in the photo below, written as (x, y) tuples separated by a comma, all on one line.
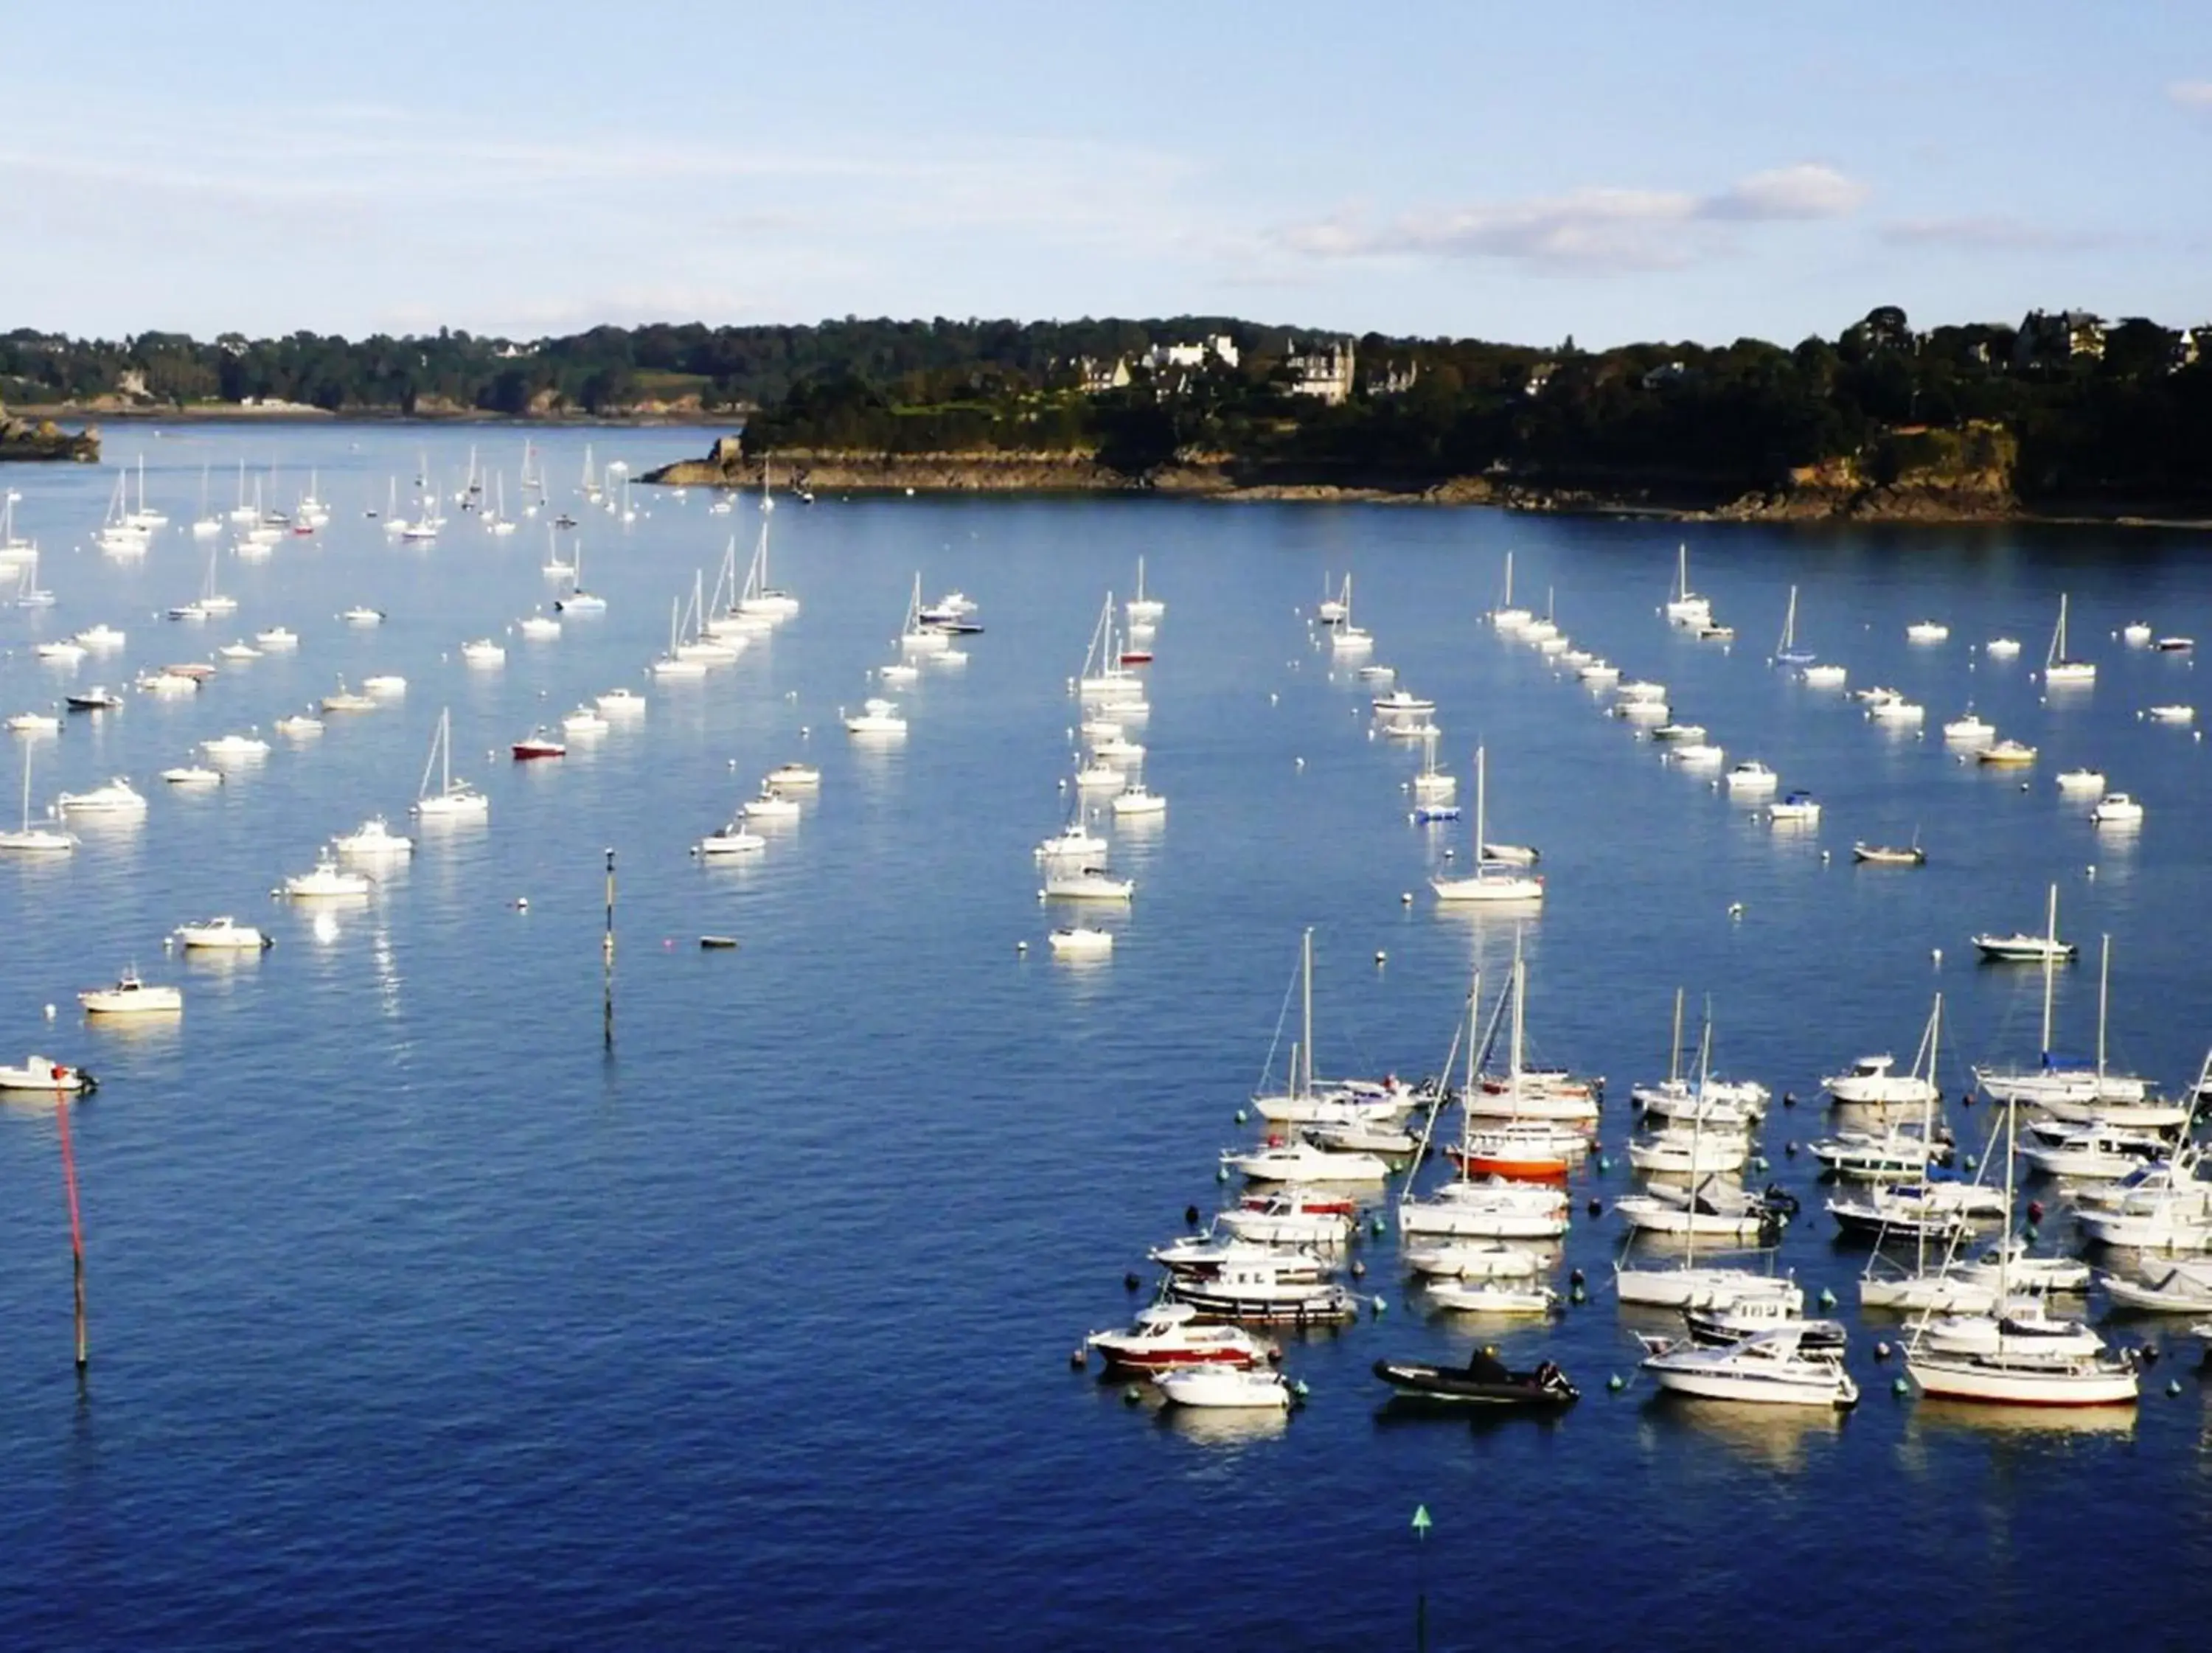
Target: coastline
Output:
[(1214, 477)]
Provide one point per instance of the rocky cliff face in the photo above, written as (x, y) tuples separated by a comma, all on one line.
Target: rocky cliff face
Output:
[(727, 465), (1908, 476), (26, 439)]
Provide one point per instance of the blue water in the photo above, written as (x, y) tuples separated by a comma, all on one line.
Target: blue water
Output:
[(416, 1320)]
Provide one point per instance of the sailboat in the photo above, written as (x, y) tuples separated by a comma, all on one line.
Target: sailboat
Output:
[(1684, 606), (1433, 789), (13, 547), (675, 663), (2056, 667), (2050, 1077), (1506, 617), (590, 482), (453, 800), (759, 600), (118, 535), (1143, 610), (576, 599), (1493, 880), (35, 840), (210, 602), (1103, 678), (703, 645), (1344, 637), (2016, 1355), (496, 518), (1786, 652), (206, 524)]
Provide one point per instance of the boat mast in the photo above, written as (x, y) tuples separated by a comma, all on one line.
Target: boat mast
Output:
[(1928, 1130), (1674, 1049), (1481, 798), (1520, 999), (1302, 1064), (1789, 625), (2104, 990), (1696, 1131), (2050, 968)]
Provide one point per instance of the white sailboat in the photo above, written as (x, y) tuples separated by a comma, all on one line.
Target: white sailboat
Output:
[(1684, 606), (1143, 610), (1493, 880), (1786, 652), (453, 800), (29, 840), (2058, 668), (759, 599), (1344, 637)]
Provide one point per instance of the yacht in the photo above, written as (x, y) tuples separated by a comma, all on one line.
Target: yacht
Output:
[(235, 749), (29, 840), (102, 636), (1873, 1080), (224, 934), (733, 839), (539, 742), (1889, 855), (1138, 801), (788, 776), (61, 652), (192, 774), (621, 703), (118, 797), (1752, 777), (770, 805), (1684, 606), (1970, 730), (1795, 809), (363, 615), (131, 997), (483, 651), (239, 651), (1168, 1335), (1084, 883), (1770, 1368), (277, 637), (539, 628), (1081, 942), (1897, 711), (346, 699), (34, 723), (327, 880), (2058, 668), (1490, 881), (2116, 809), (584, 720), (375, 838), (299, 724), (1927, 631), (2022, 948), (1829, 676), (2172, 713), (453, 800), (876, 717), (2007, 753), (2081, 783), (1073, 842)]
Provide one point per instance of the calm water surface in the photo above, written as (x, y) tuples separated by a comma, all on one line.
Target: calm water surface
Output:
[(415, 1320)]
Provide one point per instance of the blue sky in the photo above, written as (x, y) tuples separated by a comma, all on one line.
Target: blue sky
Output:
[(1614, 171)]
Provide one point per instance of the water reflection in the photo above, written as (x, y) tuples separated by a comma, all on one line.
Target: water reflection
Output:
[(1774, 1436), (1934, 1417)]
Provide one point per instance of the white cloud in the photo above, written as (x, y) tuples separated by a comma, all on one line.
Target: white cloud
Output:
[(2191, 94), (1594, 230)]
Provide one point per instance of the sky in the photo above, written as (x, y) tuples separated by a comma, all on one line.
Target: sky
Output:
[(1614, 170)]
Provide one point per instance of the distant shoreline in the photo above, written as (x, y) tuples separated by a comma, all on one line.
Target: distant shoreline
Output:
[(301, 413)]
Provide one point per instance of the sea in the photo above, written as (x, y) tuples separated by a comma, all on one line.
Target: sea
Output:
[(421, 1312)]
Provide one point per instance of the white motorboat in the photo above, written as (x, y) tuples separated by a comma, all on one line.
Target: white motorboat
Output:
[(1699, 1285), (2022, 948), (583, 722), (770, 805), (275, 638), (1136, 800), (1898, 711), (2058, 669), (61, 652), (621, 703), (167, 683), (46, 1075), (453, 800), (2172, 713), (1599, 672), (1900, 1151), (1680, 733), (1696, 1152), (299, 724), (1487, 1297), (1287, 1214), (1770, 1368), (361, 615), (1117, 749), (1492, 1208), (374, 839), (1225, 1387), (1927, 631), (876, 717), (538, 627), (1282, 1289), (1081, 941), (1910, 854), (384, 685), (2116, 809), (130, 996), (234, 749), (118, 797), (2082, 783), (348, 701), (1084, 883), (1684, 606), (1697, 754), (1719, 1324), (1709, 1208), (2001, 648), (2137, 634), (223, 934), (1970, 730), (1166, 1336), (794, 776), (897, 674), (1829, 676), (1798, 809), (192, 774), (1490, 881), (34, 723), (2007, 755), (1073, 842), (483, 652), (2183, 1287), (2093, 1154), (327, 880), (1752, 778), (1300, 1161), (1402, 705), (238, 652), (102, 637), (1641, 712), (733, 839), (1474, 1260)]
